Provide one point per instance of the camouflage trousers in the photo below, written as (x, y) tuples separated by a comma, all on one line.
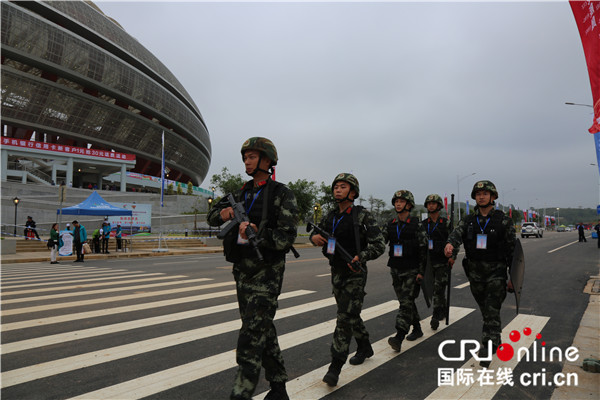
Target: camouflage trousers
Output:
[(407, 289), (440, 283), (349, 293), (257, 344), (489, 296)]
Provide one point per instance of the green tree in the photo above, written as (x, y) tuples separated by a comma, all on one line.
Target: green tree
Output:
[(170, 188), (226, 182), (179, 188), (326, 200), (306, 196), (190, 188)]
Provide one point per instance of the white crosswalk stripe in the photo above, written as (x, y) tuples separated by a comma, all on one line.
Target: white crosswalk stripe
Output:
[(175, 320)]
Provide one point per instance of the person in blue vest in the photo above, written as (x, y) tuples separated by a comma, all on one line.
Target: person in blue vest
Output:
[(79, 238), (105, 235), (118, 236)]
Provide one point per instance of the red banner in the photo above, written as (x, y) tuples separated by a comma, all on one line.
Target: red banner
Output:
[(64, 149), (587, 16)]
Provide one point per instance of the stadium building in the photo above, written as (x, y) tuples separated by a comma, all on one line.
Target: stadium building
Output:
[(82, 99)]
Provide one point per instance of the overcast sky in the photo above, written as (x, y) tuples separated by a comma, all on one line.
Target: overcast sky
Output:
[(404, 95)]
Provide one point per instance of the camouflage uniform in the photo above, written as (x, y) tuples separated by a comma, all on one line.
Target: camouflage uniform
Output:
[(404, 270), (487, 269), (349, 286), (437, 235), (272, 207)]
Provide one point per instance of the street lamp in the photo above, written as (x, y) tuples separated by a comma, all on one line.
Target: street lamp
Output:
[(558, 219), (577, 104), (315, 208), (458, 180), (16, 201)]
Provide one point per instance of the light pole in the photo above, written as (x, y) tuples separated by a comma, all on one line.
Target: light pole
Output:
[(16, 201), (458, 180), (210, 201), (558, 218), (595, 165), (504, 198)]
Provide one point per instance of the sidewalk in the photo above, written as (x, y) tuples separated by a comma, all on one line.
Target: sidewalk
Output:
[(587, 341), (36, 256)]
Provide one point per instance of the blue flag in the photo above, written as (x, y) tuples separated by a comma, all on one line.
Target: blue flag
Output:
[(467, 206)]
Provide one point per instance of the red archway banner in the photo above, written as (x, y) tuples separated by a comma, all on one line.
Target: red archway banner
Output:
[(587, 16)]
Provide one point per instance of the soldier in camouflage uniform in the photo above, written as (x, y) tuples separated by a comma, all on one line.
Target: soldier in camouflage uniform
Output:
[(273, 213), (407, 262), (489, 239), (345, 223), (438, 228)]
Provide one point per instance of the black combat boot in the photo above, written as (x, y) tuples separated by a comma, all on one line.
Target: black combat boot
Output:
[(396, 341), (434, 323), (363, 351), (483, 353), (333, 374), (416, 332), (277, 392)]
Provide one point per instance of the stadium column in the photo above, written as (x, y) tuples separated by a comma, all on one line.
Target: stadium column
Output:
[(4, 165), (69, 177), (123, 177)]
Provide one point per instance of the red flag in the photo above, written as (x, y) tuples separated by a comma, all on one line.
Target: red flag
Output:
[(525, 215), (587, 16), (446, 202), (510, 212)]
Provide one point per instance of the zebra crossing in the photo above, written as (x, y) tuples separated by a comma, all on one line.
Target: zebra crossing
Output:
[(46, 307)]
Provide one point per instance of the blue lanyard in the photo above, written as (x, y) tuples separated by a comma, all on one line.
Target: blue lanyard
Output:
[(253, 200), (486, 224), (429, 233), (399, 231), (336, 224)]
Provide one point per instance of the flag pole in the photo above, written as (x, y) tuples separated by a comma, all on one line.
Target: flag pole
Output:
[(162, 193)]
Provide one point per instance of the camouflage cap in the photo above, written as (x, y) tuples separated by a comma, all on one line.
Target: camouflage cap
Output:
[(263, 145), (484, 185), (434, 198), (347, 177), (406, 195)]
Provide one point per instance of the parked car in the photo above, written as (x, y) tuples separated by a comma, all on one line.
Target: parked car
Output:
[(561, 229), (531, 229)]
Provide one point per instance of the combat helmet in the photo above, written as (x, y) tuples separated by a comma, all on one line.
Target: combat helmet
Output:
[(263, 145), (406, 195), (350, 179), (434, 198), (484, 185)]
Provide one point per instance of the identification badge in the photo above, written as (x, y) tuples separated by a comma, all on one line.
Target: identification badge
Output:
[(241, 241), (481, 242), (331, 245), (397, 250), (430, 244)]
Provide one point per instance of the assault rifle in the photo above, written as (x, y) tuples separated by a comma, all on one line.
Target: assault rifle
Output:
[(449, 268), (343, 252), (239, 216)]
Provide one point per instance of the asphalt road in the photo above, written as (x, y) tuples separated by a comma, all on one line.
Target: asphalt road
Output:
[(166, 328)]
